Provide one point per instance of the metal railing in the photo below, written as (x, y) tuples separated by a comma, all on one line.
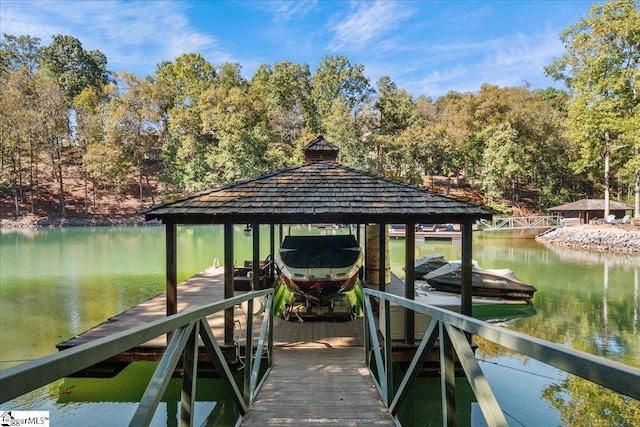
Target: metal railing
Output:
[(522, 222), (451, 330), (185, 328)]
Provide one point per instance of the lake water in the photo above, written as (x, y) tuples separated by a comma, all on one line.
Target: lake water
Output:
[(56, 283)]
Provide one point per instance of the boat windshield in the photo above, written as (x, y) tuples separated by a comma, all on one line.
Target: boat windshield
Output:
[(320, 251)]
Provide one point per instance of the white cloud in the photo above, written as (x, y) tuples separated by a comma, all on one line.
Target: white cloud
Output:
[(135, 35), (368, 22)]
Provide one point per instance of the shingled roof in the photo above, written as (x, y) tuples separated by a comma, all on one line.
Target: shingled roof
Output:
[(591, 205), (317, 192)]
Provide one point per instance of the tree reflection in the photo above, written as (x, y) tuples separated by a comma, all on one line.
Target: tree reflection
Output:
[(581, 402)]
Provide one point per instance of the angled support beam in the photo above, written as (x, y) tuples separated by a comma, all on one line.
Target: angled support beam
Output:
[(423, 351), (215, 353), (479, 384), (190, 364), (161, 377)]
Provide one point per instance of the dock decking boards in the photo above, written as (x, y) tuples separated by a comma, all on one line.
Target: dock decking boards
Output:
[(312, 385), (318, 375)]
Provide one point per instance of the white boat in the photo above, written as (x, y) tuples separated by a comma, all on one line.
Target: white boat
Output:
[(320, 267), (494, 283)]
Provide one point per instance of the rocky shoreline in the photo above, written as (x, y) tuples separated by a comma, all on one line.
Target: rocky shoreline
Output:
[(35, 222), (607, 238)]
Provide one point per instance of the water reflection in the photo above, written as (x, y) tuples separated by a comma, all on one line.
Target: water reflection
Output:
[(591, 257), (586, 301)]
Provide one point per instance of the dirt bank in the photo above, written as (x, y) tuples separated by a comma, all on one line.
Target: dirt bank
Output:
[(603, 238)]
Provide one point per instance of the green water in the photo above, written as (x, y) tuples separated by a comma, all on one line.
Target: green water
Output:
[(56, 283)]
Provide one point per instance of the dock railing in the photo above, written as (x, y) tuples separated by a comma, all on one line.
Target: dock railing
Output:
[(452, 331), (185, 329), (522, 222)]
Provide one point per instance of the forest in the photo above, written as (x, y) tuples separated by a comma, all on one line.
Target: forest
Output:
[(193, 125)]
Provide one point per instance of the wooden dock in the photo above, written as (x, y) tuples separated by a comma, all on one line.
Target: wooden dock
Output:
[(201, 289), (311, 385), (428, 235)]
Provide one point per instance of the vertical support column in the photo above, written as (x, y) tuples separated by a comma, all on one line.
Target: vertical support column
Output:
[(272, 253), (388, 354), (382, 247), (171, 268), (255, 258), (467, 250), (409, 280), (358, 238), (190, 364), (248, 355), (228, 282), (447, 377)]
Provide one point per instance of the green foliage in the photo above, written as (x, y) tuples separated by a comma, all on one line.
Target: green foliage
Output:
[(281, 299), (206, 125), (74, 68), (578, 400), (601, 70)]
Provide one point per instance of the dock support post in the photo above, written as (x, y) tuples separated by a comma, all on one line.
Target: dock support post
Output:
[(382, 247), (467, 247), (447, 378), (272, 252), (228, 282), (409, 281), (255, 258), (171, 268)]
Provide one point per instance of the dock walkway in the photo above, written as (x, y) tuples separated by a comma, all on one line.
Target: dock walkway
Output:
[(318, 375), (311, 385)]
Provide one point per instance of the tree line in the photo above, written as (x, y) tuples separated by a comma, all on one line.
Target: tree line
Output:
[(197, 125)]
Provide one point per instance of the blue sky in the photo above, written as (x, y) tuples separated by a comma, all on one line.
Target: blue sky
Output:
[(425, 47)]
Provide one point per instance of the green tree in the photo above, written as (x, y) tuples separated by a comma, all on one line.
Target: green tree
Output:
[(397, 112), (235, 123), (340, 93), (601, 70), (73, 68), (19, 52), (285, 91), (133, 126), (178, 86)]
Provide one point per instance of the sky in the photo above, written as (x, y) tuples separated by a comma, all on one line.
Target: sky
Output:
[(425, 47)]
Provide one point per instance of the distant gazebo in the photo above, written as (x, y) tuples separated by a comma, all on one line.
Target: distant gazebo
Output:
[(589, 209)]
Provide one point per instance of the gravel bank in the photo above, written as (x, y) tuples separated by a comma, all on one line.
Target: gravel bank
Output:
[(32, 222), (598, 238)]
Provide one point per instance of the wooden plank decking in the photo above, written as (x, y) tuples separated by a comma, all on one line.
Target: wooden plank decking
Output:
[(318, 375), (312, 385), (201, 289)]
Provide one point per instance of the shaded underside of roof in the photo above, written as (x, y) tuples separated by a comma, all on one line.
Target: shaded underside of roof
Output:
[(591, 205), (316, 192)]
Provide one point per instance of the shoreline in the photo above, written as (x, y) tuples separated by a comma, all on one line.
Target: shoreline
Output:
[(597, 238), (31, 222)]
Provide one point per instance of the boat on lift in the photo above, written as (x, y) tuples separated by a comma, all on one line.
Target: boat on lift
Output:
[(494, 283), (320, 268), (426, 264)]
